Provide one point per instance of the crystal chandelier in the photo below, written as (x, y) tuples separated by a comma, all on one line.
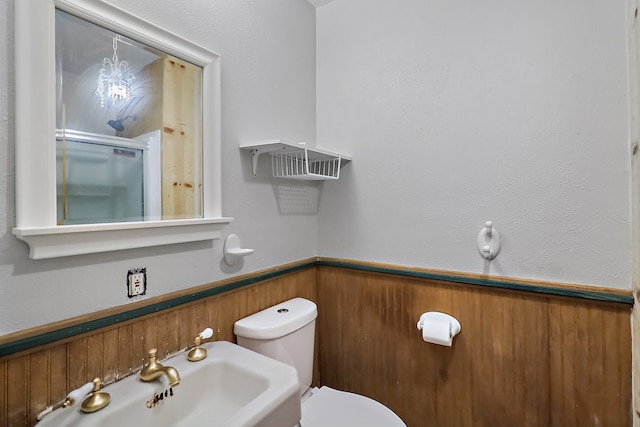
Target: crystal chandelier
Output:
[(114, 79)]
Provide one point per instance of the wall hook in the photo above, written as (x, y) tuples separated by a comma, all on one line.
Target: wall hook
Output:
[(489, 242), (489, 228), (232, 250)]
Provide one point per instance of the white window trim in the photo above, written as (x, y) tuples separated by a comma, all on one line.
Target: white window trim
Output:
[(36, 133)]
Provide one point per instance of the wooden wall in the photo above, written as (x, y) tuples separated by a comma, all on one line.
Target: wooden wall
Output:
[(521, 359), (34, 379)]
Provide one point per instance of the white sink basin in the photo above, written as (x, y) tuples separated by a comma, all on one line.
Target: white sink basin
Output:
[(232, 387)]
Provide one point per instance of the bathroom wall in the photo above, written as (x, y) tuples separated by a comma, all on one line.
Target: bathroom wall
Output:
[(43, 375), (527, 355), (268, 91), (454, 113), (521, 358), (457, 113)]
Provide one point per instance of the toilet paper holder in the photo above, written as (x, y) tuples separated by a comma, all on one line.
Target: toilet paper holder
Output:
[(430, 316)]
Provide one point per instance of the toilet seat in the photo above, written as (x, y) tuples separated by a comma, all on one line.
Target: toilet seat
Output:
[(327, 407)]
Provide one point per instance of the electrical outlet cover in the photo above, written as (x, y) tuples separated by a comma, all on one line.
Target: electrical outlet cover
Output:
[(136, 282)]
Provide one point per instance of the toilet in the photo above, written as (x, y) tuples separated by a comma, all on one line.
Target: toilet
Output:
[(286, 332)]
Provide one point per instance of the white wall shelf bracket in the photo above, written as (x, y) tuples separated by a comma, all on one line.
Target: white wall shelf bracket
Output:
[(255, 155)]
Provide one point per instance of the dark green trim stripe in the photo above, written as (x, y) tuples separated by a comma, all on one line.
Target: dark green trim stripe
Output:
[(68, 332), (49, 337), (560, 291)]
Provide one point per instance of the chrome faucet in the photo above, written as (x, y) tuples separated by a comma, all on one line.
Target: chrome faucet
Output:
[(154, 370)]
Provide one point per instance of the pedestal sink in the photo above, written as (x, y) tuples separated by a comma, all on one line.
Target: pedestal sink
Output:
[(231, 387)]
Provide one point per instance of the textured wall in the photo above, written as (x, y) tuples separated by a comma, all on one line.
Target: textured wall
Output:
[(460, 112), (268, 91), (454, 114)]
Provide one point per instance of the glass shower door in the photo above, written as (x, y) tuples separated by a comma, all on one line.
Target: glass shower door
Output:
[(99, 179)]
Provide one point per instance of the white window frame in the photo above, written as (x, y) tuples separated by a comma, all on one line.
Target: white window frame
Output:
[(36, 134)]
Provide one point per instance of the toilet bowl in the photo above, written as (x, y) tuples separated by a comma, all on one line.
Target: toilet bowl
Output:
[(286, 332), (327, 407)]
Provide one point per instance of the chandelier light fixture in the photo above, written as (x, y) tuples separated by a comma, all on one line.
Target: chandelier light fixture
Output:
[(114, 79)]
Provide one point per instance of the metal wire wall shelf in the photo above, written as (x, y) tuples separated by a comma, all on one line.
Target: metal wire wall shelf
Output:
[(297, 161)]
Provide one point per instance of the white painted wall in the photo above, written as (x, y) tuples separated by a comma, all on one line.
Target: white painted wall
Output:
[(454, 113), (460, 112), (268, 91)]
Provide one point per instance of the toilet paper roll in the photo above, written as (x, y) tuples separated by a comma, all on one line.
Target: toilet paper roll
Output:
[(437, 332), (438, 328)]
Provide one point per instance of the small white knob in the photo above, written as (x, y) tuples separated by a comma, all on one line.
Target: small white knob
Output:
[(487, 251)]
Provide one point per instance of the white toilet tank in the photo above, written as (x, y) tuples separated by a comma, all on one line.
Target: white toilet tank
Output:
[(285, 332)]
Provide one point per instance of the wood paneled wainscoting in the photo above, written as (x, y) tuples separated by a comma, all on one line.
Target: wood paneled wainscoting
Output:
[(529, 354), (521, 359), (42, 375)]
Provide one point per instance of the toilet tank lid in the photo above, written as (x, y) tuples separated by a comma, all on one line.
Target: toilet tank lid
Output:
[(278, 320)]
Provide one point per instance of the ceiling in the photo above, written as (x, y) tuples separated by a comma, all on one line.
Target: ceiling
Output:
[(318, 3)]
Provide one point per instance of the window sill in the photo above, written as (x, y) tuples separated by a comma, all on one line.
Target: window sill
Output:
[(60, 241)]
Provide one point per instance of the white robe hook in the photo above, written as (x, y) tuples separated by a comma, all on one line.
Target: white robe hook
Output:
[(489, 242)]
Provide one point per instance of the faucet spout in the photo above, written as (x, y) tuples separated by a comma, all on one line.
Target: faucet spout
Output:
[(154, 370), (172, 375)]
